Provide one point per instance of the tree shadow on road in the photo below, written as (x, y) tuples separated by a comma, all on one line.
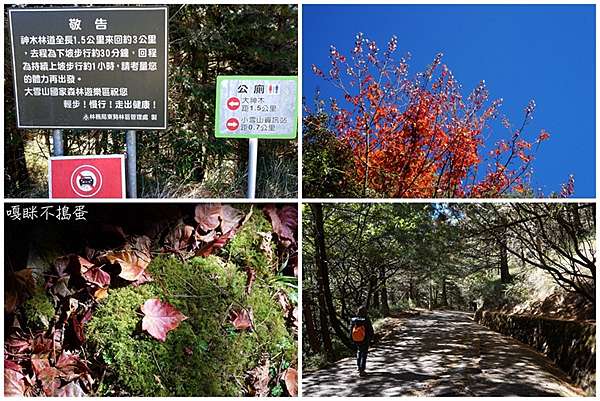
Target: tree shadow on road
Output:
[(444, 353)]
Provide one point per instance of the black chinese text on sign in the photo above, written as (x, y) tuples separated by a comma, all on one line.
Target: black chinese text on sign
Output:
[(90, 67)]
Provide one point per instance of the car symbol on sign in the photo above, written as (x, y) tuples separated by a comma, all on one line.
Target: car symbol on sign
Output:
[(86, 180)]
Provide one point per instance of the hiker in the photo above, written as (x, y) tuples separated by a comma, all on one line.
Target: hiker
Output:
[(361, 331)]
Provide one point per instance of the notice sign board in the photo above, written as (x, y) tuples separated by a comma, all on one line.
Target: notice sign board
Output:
[(87, 176), (264, 107), (90, 67)]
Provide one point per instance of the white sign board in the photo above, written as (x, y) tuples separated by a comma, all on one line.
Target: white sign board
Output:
[(264, 107)]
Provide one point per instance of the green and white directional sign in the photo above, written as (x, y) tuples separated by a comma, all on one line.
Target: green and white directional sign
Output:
[(263, 107)]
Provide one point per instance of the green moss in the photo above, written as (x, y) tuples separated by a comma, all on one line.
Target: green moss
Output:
[(39, 310), (244, 248), (204, 355)]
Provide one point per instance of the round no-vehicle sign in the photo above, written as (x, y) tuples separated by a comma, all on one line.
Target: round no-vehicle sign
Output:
[(264, 107), (87, 177)]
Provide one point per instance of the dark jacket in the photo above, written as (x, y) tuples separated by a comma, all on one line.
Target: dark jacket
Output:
[(359, 321)]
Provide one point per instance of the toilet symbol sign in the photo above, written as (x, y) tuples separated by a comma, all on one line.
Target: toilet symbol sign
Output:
[(262, 107), (87, 176)]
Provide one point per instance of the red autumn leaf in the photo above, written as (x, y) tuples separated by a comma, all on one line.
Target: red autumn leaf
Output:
[(160, 318), (78, 325), (14, 383), (17, 344), (284, 222), (50, 380), (96, 275), (39, 363), (242, 319), (290, 377), (71, 367)]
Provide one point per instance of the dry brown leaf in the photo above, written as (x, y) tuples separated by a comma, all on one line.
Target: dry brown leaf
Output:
[(290, 377), (242, 319), (250, 278), (207, 216), (133, 260), (101, 293), (258, 378)]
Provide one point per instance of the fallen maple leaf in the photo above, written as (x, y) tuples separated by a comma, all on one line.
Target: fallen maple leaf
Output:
[(160, 318), (145, 277), (39, 363), (290, 377), (258, 378), (72, 389), (207, 216), (133, 260), (50, 379), (101, 293), (242, 319), (14, 385), (71, 367), (284, 222), (230, 218), (96, 275)]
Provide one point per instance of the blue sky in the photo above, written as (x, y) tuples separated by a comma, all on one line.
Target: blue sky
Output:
[(544, 52)]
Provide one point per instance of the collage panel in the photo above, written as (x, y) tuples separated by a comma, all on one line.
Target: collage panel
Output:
[(449, 299), (150, 299), (151, 101), (448, 101)]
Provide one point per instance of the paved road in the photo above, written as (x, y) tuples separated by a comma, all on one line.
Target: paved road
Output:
[(443, 353)]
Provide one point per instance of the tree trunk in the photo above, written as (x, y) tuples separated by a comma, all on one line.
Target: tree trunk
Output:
[(430, 299), (311, 331), (444, 301), (323, 274), (324, 323), (504, 273), (385, 308)]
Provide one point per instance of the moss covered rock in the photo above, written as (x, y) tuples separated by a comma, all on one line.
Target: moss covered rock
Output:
[(205, 355)]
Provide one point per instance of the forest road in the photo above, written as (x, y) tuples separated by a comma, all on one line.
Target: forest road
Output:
[(443, 353)]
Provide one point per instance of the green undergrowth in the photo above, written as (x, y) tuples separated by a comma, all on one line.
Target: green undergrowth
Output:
[(205, 355), (39, 310)]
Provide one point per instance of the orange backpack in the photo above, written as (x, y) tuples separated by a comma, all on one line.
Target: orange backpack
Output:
[(358, 333)]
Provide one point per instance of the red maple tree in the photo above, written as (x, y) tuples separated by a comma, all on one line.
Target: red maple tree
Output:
[(419, 136)]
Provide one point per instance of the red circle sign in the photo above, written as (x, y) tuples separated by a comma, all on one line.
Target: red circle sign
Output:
[(233, 103), (86, 181), (232, 124)]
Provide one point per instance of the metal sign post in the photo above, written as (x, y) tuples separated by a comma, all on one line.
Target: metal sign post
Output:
[(256, 107), (58, 148), (252, 156), (130, 141), (91, 67)]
